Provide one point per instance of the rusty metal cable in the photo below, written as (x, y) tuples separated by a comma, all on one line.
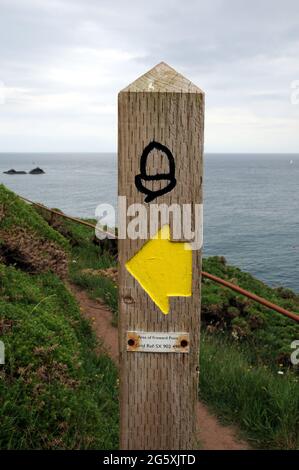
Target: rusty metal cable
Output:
[(252, 296), (61, 214), (229, 285)]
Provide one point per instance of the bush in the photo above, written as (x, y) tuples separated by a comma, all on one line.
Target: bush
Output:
[(268, 333)]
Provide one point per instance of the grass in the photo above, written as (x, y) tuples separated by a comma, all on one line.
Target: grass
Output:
[(264, 404), (16, 213), (86, 254), (55, 391), (101, 288)]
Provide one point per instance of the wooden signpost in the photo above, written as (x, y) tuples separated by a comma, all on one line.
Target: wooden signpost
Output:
[(161, 120)]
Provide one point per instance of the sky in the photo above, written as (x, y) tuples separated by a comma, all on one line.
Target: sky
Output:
[(63, 62)]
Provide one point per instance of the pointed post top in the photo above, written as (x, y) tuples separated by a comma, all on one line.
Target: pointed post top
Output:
[(162, 78)]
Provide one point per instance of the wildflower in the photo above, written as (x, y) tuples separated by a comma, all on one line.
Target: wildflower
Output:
[(280, 372), (235, 335)]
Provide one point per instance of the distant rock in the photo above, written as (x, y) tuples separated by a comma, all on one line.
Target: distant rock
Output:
[(36, 171), (14, 172)]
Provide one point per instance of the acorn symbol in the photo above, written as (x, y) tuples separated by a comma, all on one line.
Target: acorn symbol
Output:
[(167, 178)]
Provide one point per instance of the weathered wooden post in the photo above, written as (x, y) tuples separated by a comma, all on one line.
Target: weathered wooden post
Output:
[(161, 117)]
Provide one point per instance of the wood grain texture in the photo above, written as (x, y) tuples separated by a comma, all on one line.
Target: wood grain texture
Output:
[(158, 392)]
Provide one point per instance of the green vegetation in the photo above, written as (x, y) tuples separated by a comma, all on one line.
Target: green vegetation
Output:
[(267, 334), (87, 256), (14, 213), (56, 392), (246, 374), (99, 287), (26, 240), (263, 403)]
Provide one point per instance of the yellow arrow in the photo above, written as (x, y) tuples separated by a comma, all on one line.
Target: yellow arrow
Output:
[(163, 268)]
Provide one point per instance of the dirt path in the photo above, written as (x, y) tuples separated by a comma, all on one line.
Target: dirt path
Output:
[(213, 435)]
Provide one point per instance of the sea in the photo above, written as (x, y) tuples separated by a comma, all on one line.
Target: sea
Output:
[(251, 202)]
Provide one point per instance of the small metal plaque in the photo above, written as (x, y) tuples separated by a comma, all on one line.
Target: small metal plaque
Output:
[(162, 342)]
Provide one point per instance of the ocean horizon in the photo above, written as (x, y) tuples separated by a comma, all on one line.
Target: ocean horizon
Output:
[(251, 207)]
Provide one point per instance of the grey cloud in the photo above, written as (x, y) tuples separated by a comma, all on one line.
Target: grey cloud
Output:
[(244, 54)]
